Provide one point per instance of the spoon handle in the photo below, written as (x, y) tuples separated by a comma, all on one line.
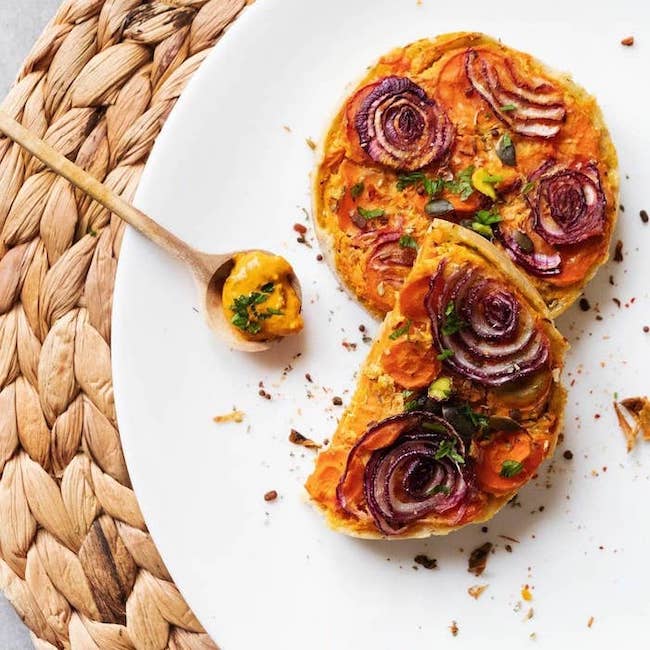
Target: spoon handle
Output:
[(102, 194)]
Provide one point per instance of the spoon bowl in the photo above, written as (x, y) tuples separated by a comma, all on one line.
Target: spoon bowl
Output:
[(219, 267), (210, 270)]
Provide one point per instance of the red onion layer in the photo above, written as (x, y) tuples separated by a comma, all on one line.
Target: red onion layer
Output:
[(409, 478), (536, 263), (531, 109), (401, 127), (567, 203), (495, 339)]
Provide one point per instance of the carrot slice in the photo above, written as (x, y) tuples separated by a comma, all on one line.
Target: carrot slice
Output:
[(507, 461), (411, 300), (411, 364)]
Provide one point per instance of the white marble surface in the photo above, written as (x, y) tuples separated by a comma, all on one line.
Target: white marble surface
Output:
[(20, 24)]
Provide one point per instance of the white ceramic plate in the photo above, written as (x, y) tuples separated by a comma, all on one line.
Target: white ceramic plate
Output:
[(227, 174)]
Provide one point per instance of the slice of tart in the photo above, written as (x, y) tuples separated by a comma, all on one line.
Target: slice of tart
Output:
[(457, 404)]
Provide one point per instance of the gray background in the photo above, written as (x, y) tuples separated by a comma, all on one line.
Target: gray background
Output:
[(20, 24)]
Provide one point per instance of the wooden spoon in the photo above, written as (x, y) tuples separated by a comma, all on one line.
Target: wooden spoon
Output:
[(210, 271)]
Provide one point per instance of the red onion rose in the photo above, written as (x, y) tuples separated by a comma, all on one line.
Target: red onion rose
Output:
[(490, 336), (401, 127), (528, 108), (567, 203), (416, 467)]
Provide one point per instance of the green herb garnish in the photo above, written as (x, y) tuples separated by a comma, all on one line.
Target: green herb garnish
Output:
[(506, 140), (445, 354), (447, 449), (246, 315), (400, 331), (510, 468), (371, 213), (406, 241), (478, 420), (439, 489), (432, 186), (453, 322), (462, 184), (406, 180), (508, 107), (356, 190)]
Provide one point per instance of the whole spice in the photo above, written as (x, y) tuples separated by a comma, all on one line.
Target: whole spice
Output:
[(271, 495), (478, 558), (298, 439), (426, 561), (628, 41), (618, 251), (644, 216)]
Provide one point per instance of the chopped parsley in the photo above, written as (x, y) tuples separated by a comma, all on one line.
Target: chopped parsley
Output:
[(400, 331), (356, 190), (406, 241), (462, 184), (371, 213), (478, 420), (508, 107), (527, 187), (406, 180), (506, 140), (445, 354), (453, 322), (447, 449), (246, 315), (432, 186), (483, 222), (510, 468)]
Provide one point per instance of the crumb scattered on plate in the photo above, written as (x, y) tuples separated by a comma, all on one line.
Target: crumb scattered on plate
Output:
[(633, 414), (590, 622), (628, 41), (526, 594), (476, 590), (233, 416), (453, 628), (271, 495), (426, 561), (298, 439), (478, 559)]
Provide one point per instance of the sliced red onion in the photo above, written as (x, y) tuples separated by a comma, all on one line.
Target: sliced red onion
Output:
[(536, 263), (401, 127), (497, 340), (567, 203), (403, 480), (387, 258), (528, 109)]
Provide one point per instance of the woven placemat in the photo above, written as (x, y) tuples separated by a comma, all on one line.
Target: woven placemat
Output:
[(76, 559)]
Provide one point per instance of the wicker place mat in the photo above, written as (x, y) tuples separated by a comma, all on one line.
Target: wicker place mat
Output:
[(76, 559)]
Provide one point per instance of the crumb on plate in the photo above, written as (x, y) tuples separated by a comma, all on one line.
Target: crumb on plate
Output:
[(233, 416), (476, 590)]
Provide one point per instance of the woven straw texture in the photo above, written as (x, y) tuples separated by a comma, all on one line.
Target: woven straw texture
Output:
[(76, 559)]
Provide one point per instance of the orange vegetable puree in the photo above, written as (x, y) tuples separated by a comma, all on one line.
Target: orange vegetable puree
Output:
[(259, 298)]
